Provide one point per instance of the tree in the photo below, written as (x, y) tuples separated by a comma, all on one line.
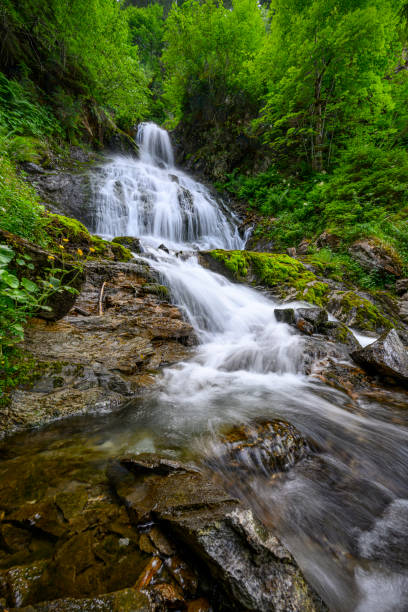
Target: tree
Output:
[(209, 55), (324, 64)]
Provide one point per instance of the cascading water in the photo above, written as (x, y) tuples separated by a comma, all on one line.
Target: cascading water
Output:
[(153, 200), (344, 517)]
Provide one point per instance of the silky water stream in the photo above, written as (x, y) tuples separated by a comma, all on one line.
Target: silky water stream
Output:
[(343, 513)]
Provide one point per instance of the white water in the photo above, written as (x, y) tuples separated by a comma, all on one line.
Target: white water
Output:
[(247, 365)]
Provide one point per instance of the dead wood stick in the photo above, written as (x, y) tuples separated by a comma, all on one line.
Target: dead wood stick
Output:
[(100, 307)]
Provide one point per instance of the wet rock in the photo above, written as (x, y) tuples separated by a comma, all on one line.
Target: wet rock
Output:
[(19, 585), (199, 605), (168, 596), (373, 255), (253, 569), (317, 317), (66, 190), (285, 315), (340, 333), (386, 356), (163, 248), (133, 244), (260, 447), (307, 320), (93, 361), (126, 600), (357, 311)]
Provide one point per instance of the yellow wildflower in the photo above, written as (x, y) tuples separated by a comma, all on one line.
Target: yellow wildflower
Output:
[(80, 252), (61, 246), (92, 250), (65, 240), (51, 257)]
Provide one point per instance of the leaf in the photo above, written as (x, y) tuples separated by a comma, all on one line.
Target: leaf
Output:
[(6, 254), (10, 280), (21, 262), (29, 285)]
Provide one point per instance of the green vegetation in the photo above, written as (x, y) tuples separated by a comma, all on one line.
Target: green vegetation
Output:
[(300, 110), (280, 272), (297, 108)]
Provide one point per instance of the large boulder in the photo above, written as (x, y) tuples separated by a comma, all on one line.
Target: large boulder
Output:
[(387, 356)]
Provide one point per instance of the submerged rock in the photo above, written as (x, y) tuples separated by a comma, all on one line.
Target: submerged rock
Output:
[(252, 568), (386, 356), (261, 447)]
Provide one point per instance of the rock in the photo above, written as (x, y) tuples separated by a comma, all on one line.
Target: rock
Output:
[(372, 255), (317, 317), (95, 362), (20, 584), (66, 190), (253, 569), (60, 303), (386, 356), (133, 244), (163, 248), (357, 311), (199, 605), (291, 252), (307, 320), (304, 326), (303, 247), (126, 600), (401, 286), (262, 447), (328, 240), (340, 333), (168, 595), (285, 315)]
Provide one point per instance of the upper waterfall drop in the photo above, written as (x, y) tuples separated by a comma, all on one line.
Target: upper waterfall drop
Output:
[(155, 145), (150, 198)]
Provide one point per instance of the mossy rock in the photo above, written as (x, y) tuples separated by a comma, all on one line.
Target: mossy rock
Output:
[(358, 312), (133, 244), (287, 276), (69, 236)]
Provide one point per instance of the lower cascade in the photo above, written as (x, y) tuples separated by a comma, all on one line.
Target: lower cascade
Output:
[(338, 514)]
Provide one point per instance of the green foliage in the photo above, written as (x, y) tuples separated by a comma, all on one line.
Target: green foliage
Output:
[(324, 63), (146, 26), (209, 55), (20, 211), (71, 64), (20, 113)]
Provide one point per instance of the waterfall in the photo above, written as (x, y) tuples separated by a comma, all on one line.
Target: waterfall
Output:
[(151, 199), (248, 366)]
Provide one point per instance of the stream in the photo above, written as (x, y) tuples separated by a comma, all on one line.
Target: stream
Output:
[(344, 513)]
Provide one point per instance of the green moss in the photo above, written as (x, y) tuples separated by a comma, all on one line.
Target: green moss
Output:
[(69, 236), (274, 271), (18, 368), (367, 315), (159, 290)]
